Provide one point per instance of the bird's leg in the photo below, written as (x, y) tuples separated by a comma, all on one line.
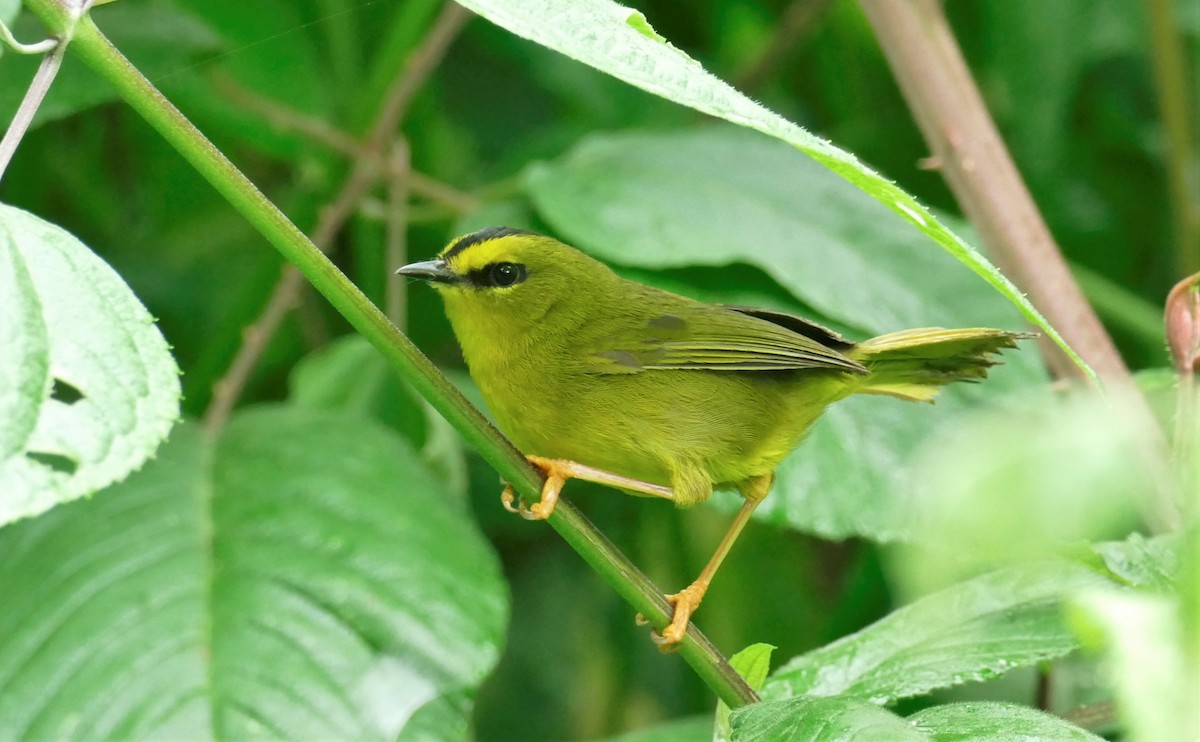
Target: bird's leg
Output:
[(558, 471), (688, 600)]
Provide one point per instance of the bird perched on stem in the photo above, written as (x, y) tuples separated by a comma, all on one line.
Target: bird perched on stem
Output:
[(600, 378)]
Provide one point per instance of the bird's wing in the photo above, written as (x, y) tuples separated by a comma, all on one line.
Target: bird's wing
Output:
[(715, 338)]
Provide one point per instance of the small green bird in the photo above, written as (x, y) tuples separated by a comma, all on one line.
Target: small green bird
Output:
[(600, 378)]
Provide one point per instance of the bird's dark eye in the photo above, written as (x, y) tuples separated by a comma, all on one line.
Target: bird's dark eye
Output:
[(505, 274)]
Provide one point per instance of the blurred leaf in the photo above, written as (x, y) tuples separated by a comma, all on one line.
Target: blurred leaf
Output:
[(995, 722), (301, 577), (723, 195), (971, 631), (598, 33), (696, 729), (1024, 483), (752, 663), (88, 388), (1032, 71), (853, 473), (8, 12), (157, 37), (273, 53), (1155, 681), (1152, 563), (816, 719), (350, 375)]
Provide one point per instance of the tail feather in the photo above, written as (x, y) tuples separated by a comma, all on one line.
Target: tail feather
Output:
[(915, 364)]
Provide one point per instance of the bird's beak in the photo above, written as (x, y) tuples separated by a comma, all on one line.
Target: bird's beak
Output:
[(430, 270)]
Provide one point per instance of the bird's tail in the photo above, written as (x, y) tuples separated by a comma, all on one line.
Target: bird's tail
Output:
[(916, 364)]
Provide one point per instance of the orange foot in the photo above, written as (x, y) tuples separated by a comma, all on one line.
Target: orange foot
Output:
[(685, 602), (557, 472)]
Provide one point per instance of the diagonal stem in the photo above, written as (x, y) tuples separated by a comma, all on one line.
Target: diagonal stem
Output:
[(38, 88), (397, 349)]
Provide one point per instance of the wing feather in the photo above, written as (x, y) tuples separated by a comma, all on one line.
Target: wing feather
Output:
[(713, 338)]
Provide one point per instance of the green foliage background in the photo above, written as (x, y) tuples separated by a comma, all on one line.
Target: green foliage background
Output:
[(527, 137)]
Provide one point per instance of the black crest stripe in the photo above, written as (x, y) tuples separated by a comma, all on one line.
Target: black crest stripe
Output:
[(483, 235)]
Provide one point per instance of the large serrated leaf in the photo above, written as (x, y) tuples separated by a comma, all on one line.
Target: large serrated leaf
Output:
[(995, 722), (618, 41), (817, 719), (301, 577), (350, 375), (974, 630), (88, 388)]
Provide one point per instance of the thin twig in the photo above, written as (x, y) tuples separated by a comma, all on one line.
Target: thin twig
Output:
[(397, 232), (1175, 108), (417, 69), (37, 47), (321, 131), (363, 173), (287, 118), (794, 24), (441, 193), (38, 88), (283, 299)]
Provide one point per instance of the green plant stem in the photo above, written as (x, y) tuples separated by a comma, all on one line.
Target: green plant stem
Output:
[(38, 88), (99, 54)]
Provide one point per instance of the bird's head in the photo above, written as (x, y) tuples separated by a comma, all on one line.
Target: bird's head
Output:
[(505, 280)]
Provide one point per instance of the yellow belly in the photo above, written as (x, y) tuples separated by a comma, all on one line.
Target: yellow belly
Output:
[(730, 426)]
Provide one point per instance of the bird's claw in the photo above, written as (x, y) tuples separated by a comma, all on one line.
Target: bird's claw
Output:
[(685, 603), (556, 476), (534, 512)]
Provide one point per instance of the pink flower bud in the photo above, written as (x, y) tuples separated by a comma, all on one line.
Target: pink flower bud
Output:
[(1183, 324)]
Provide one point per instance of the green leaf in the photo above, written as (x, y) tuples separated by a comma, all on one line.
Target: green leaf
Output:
[(1026, 482), (995, 722), (1152, 563), (752, 663), (300, 577), (722, 195), (816, 719), (8, 12), (1155, 689), (88, 388), (597, 33), (971, 631), (276, 53), (350, 375)]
